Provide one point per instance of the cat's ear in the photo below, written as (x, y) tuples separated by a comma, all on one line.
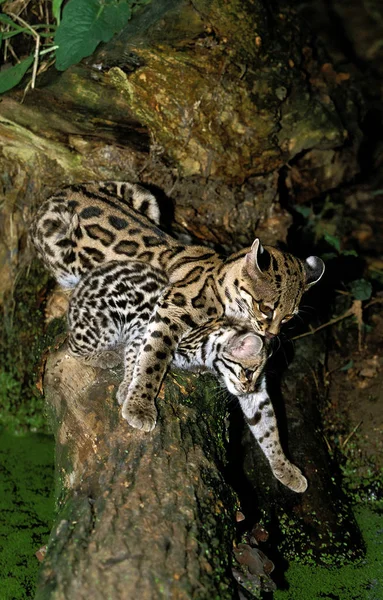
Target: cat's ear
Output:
[(257, 260), (314, 268), (245, 346)]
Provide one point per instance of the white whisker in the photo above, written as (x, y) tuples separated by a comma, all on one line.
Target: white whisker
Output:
[(307, 306), (284, 355), (298, 316), (232, 400), (277, 338)]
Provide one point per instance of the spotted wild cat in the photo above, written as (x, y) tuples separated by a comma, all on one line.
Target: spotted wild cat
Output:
[(86, 225), (107, 319)]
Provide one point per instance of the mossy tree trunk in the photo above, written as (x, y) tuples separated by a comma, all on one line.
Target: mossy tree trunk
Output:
[(206, 102), (140, 515)]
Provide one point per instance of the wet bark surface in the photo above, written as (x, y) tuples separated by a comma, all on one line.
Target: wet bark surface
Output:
[(140, 515), (230, 113)]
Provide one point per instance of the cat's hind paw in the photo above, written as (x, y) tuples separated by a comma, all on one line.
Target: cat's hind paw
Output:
[(103, 360), (291, 477), (140, 417)]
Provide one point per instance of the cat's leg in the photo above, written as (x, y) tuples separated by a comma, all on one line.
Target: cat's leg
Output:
[(130, 355), (166, 327), (58, 303), (102, 358), (106, 359), (260, 417), (91, 342)]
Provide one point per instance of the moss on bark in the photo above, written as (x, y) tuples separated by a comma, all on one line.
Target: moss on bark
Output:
[(140, 515)]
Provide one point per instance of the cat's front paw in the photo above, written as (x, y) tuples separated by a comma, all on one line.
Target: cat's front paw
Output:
[(291, 477), (141, 417)]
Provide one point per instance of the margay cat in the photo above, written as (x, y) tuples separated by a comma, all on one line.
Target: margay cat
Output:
[(108, 315), (85, 225)]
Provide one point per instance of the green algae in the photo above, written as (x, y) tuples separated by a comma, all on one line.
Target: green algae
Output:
[(362, 477), (27, 508), (202, 392), (361, 581), (26, 459), (23, 339)]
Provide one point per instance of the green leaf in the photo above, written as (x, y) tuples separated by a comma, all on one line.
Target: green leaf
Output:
[(115, 12), (8, 34), (333, 241), (328, 256), (349, 253), (347, 366), (8, 21), (56, 10), (305, 211), (12, 76), (84, 24), (361, 289)]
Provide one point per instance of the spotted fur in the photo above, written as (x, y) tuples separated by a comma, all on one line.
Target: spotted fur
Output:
[(260, 417), (80, 227), (87, 225), (108, 316)]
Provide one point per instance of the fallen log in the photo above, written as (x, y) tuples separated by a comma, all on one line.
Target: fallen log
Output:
[(260, 96), (139, 515), (152, 515)]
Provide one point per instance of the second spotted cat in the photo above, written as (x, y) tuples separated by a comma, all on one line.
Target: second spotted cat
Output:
[(86, 225), (108, 315)]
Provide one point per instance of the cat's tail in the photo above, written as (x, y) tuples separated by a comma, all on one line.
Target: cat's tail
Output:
[(134, 196), (54, 233), (53, 221)]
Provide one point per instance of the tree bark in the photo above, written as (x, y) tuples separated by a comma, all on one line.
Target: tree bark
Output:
[(206, 102), (140, 515), (318, 525)]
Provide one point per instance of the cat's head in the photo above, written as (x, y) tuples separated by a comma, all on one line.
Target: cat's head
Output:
[(274, 282), (241, 361)]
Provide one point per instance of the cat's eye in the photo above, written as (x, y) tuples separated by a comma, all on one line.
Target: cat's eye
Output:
[(266, 310), (249, 374)]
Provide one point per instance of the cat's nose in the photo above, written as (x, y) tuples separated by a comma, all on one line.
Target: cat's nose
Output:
[(269, 335)]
